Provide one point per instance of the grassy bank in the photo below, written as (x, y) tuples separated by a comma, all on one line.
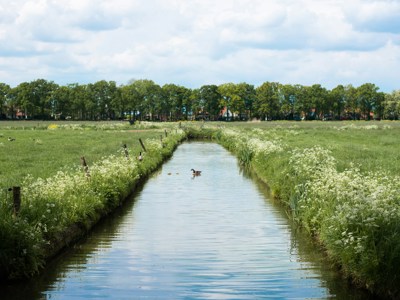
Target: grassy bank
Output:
[(60, 202), (340, 182)]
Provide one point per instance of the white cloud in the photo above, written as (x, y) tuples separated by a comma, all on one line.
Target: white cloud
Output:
[(195, 42), (376, 16)]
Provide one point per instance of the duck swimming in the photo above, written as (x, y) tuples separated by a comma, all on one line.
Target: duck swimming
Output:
[(196, 173)]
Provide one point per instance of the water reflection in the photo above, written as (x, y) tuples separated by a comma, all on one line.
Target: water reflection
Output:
[(214, 236)]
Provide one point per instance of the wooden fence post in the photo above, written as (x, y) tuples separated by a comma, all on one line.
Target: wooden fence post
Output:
[(141, 143), (17, 199), (85, 166)]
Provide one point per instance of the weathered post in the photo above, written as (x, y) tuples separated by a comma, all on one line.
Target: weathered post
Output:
[(17, 199), (85, 166), (141, 143), (126, 151)]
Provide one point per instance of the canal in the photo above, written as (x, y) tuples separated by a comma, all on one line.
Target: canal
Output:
[(214, 236)]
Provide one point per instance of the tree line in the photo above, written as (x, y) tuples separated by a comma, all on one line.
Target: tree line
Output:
[(146, 100)]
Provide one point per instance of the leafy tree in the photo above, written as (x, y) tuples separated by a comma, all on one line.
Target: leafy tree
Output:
[(237, 102), (229, 98), (81, 102), (12, 103), (287, 101), (187, 101), (368, 98), (116, 105), (338, 96), (35, 98), (209, 101), (145, 99), (318, 96), (351, 105), (302, 102), (391, 106), (40, 94), (23, 98), (129, 101), (247, 95), (267, 103), (176, 100), (105, 98), (379, 105), (4, 93), (155, 102), (62, 101), (149, 98)]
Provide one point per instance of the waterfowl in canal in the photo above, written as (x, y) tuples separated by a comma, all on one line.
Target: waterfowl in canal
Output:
[(196, 173)]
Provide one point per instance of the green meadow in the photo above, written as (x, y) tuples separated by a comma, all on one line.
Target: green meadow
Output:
[(371, 146), (41, 149)]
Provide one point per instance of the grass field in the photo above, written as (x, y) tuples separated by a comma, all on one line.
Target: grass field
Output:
[(371, 146), (41, 152)]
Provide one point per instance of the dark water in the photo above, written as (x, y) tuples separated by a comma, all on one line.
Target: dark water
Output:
[(216, 236)]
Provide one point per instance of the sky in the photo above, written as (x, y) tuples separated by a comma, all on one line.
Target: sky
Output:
[(198, 42)]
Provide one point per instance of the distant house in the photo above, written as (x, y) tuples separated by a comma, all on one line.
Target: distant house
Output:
[(20, 114), (226, 114)]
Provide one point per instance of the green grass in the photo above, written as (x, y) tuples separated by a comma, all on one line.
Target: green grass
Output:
[(369, 149), (42, 125), (371, 146), (41, 153)]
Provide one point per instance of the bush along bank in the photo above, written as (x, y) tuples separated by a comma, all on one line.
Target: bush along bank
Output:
[(354, 216), (58, 210)]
